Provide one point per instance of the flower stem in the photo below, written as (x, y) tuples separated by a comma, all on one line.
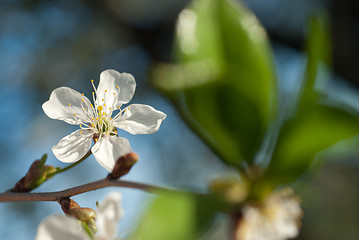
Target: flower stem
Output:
[(92, 186), (71, 165)]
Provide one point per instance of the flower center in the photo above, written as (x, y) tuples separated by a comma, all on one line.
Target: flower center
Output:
[(98, 118)]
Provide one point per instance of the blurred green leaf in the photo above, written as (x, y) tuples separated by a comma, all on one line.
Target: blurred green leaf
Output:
[(313, 130), (318, 50), (176, 216), (316, 125), (223, 83)]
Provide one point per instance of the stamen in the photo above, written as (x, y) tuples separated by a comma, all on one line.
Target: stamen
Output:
[(119, 113), (93, 85)]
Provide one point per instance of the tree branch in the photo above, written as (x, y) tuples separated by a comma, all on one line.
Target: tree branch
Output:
[(56, 196)]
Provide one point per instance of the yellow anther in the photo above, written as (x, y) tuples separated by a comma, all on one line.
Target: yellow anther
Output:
[(114, 93), (82, 100), (82, 94), (109, 108), (117, 86), (105, 90), (93, 93), (80, 125), (91, 105), (107, 133), (110, 118), (128, 108), (96, 119), (74, 114), (100, 108), (69, 104), (80, 131), (105, 104), (96, 139), (85, 109), (103, 99), (91, 80), (93, 125)]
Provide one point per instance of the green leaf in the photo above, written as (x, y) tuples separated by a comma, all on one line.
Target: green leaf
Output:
[(176, 216), (318, 50), (313, 130), (318, 122), (42, 161), (223, 82)]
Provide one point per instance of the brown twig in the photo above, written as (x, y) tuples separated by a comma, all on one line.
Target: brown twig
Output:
[(56, 196)]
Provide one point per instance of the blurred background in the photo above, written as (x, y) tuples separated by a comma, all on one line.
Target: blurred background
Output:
[(48, 44)]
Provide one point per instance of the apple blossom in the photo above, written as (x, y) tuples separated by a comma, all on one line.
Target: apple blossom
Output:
[(96, 121), (59, 227), (277, 218)]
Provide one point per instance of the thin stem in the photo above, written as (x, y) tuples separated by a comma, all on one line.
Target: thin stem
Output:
[(56, 196), (71, 165)]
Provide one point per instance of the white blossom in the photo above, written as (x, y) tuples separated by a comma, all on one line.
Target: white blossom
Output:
[(99, 121), (59, 227), (277, 218)]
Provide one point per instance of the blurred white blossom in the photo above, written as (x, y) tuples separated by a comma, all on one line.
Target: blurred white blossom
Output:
[(96, 121), (276, 218), (59, 227)]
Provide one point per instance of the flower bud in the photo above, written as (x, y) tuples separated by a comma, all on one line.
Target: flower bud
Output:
[(67, 204), (82, 214), (233, 192), (71, 208), (123, 165), (35, 176), (86, 216), (91, 224)]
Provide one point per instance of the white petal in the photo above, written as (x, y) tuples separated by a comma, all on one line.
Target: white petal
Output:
[(108, 149), (57, 107), (58, 227), (108, 214), (140, 119), (74, 146), (109, 79)]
